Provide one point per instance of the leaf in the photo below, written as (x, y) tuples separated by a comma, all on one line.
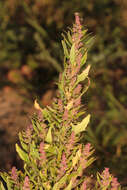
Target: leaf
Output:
[(72, 55), (23, 155), (84, 58), (49, 136), (65, 49), (33, 150), (1, 186), (24, 145), (69, 187), (76, 158), (37, 106), (83, 75), (81, 126), (60, 182), (9, 184)]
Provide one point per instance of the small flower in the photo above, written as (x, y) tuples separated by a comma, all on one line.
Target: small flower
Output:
[(14, 174), (26, 185)]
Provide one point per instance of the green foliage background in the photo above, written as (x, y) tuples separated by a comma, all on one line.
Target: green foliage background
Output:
[(29, 35)]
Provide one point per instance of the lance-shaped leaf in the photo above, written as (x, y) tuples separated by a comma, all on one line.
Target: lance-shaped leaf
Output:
[(76, 158), (65, 49), (37, 106), (1, 186), (60, 183), (49, 136), (84, 58), (23, 155), (83, 75), (69, 187), (72, 55), (81, 126)]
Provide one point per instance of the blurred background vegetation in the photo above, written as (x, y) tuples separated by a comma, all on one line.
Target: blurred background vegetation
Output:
[(31, 58)]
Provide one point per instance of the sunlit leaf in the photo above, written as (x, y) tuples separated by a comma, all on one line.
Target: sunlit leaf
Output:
[(81, 126)]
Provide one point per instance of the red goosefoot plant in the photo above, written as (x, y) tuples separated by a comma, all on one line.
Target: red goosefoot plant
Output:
[(54, 156)]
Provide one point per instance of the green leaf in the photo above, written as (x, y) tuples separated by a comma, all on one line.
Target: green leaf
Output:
[(76, 158), (72, 55), (23, 155), (24, 145), (84, 58), (60, 182), (49, 136), (69, 187), (65, 49), (81, 126), (9, 184), (1, 186), (83, 75), (33, 150)]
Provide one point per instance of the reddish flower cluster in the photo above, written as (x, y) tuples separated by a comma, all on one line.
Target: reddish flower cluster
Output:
[(108, 179), (71, 142), (26, 185), (14, 174), (114, 184), (63, 165), (42, 152)]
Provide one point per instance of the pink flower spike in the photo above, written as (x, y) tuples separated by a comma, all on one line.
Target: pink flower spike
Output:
[(14, 175), (63, 163), (106, 173), (87, 149), (26, 185), (42, 152), (115, 184), (65, 115)]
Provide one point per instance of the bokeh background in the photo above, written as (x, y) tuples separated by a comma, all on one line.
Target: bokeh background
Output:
[(31, 58)]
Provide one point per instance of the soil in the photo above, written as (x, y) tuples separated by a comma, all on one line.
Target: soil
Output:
[(15, 115)]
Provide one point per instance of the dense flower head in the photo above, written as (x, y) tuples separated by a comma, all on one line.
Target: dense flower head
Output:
[(105, 178), (42, 152), (115, 184), (14, 174), (26, 185), (86, 150)]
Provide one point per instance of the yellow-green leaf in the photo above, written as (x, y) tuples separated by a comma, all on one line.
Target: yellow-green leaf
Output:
[(84, 58), (69, 187), (83, 75), (65, 49), (1, 186), (76, 158), (23, 155), (49, 136), (81, 126), (72, 55), (60, 183)]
